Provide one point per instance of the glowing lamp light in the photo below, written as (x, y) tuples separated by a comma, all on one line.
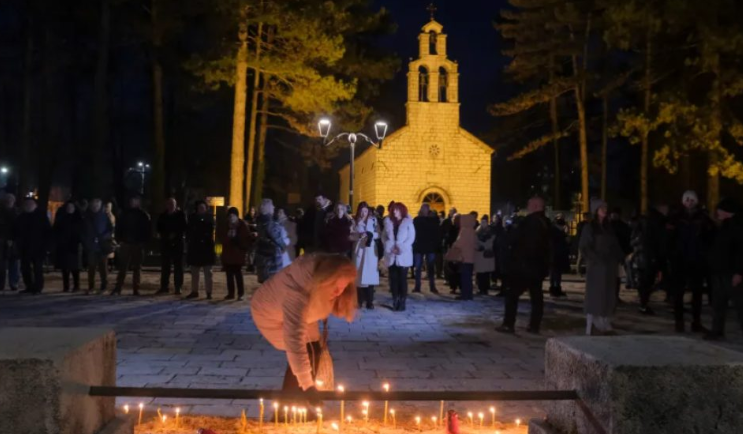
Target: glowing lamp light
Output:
[(324, 127), (3, 170), (380, 129)]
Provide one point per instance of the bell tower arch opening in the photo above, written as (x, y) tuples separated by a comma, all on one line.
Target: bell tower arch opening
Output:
[(432, 42), (423, 79), (443, 85)]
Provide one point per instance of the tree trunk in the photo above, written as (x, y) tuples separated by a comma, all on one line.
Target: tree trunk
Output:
[(237, 161), (25, 173), (604, 144), (97, 181), (253, 118), (260, 176), (580, 104), (47, 152), (555, 140), (157, 191), (713, 155), (645, 139)]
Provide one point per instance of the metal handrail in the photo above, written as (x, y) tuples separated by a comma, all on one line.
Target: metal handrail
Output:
[(173, 392)]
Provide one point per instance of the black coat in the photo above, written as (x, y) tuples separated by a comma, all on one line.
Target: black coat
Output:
[(200, 238), (530, 250), (560, 249), (32, 234), (649, 242), (133, 227), (172, 228), (725, 254), (427, 235), (623, 232), (8, 217), (691, 235), (68, 235)]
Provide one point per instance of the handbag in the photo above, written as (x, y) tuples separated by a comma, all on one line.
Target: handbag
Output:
[(324, 375)]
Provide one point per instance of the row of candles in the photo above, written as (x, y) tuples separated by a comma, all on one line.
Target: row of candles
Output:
[(299, 415)]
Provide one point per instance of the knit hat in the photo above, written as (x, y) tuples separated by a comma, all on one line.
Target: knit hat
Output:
[(233, 210), (596, 204), (728, 205), (690, 194)]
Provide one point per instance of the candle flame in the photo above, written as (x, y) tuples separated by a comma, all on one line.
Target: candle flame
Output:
[(469, 414), (480, 415), (275, 405), (165, 417), (434, 419), (386, 387), (319, 383), (126, 408), (492, 409), (177, 410), (365, 403), (341, 389), (141, 406), (318, 410), (334, 426), (261, 401), (518, 422), (418, 420), (364, 412), (392, 411), (349, 419)]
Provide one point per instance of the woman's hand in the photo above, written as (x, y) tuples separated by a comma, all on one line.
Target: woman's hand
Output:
[(312, 397)]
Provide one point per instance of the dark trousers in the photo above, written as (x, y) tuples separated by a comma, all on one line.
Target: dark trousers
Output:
[(365, 296), (66, 279), (555, 280), (129, 256), (688, 277), (645, 281), (452, 275), (234, 278), (171, 255), (97, 262), (514, 291), (465, 279), (32, 269), (440, 265), (418, 259), (291, 384), (723, 291), (8, 267), (483, 282), (398, 282)]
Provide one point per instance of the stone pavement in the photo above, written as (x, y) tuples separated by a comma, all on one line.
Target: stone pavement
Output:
[(437, 344)]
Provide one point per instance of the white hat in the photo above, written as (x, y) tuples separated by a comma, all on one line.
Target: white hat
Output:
[(690, 194)]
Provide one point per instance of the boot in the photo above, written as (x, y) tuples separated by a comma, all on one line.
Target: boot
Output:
[(369, 295), (395, 303), (401, 307)]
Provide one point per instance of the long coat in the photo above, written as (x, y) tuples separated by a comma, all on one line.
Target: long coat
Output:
[(271, 246), (466, 240), (365, 252), (235, 243), (485, 252), (32, 231), (603, 255), (403, 241), (200, 238), (291, 242), (68, 232)]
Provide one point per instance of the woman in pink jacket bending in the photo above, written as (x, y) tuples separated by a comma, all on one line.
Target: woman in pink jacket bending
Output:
[(288, 307)]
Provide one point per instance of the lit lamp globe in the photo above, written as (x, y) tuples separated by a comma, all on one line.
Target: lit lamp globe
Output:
[(380, 129), (324, 127)]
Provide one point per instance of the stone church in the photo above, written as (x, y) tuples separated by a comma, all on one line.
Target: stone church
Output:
[(431, 159)]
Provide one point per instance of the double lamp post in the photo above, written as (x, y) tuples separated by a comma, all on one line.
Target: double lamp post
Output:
[(380, 130)]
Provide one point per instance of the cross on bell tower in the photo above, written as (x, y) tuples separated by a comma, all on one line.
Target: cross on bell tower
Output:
[(432, 9)]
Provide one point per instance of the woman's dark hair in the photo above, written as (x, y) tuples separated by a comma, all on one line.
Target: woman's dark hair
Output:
[(199, 202)]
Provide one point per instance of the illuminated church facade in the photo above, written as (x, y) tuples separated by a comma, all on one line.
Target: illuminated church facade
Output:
[(431, 159)]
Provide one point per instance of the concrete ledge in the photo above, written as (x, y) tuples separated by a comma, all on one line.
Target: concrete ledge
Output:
[(645, 384), (44, 378), (540, 426)]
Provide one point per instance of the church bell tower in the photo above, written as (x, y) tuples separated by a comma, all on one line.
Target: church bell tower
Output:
[(433, 79)]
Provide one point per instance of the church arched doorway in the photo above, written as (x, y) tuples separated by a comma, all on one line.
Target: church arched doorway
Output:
[(435, 201)]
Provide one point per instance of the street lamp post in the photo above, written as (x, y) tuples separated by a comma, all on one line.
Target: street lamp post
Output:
[(142, 168), (380, 130)]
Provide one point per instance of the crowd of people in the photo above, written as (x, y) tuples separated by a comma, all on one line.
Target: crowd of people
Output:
[(674, 251)]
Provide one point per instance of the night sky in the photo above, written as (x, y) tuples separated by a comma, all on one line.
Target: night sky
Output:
[(472, 41)]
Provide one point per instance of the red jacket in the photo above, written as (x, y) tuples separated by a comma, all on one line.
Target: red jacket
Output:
[(236, 247)]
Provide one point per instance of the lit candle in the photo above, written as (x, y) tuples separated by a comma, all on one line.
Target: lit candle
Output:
[(470, 418), (177, 415), (481, 417), (492, 413), (386, 388), (286, 416), (418, 422), (294, 415), (164, 418), (260, 417), (126, 408), (434, 420), (334, 426), (243, 421), (343, 403), (518, 423), (366, 411), (349, 419), (319, 384), (276, 414), (141, 407), (441, 412), (394, 419), (319, 419)]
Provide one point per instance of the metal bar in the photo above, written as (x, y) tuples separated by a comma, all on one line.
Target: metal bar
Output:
[(502, 395)]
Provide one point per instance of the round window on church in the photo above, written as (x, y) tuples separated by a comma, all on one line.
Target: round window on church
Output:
[(434, 151), (435, 201)]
